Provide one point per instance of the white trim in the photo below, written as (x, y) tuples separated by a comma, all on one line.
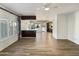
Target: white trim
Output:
[(74, 41)]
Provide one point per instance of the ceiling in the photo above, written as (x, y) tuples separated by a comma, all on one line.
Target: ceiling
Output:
[(33, 8), (23, 8)]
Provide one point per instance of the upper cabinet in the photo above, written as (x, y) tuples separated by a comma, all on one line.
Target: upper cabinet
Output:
[(28, 17)]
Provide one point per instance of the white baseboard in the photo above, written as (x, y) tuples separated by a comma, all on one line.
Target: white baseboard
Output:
[(75, 41)]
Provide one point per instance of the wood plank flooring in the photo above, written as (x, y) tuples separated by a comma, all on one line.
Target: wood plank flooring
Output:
[(43, 45)]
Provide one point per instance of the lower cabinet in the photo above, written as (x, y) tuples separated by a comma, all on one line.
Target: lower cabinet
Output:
[(28, 33)]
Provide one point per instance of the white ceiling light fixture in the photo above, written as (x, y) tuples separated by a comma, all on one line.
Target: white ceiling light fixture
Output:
[(46, 8)]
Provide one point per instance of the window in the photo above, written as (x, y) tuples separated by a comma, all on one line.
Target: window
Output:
[(3, 29), (13, 28), (10, 28), (16, 29)]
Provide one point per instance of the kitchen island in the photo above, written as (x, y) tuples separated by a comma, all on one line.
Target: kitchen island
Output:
[(28, 33)]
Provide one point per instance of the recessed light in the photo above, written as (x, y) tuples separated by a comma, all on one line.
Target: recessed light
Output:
[(46, 9)]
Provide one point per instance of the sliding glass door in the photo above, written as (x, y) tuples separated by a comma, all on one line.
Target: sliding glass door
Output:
[(8, 29)]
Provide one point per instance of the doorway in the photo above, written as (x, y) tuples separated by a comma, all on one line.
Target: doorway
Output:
[(50, 27)]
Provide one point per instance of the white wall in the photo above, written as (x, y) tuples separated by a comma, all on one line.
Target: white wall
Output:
[(10, 39), (61, 26), (65, 26), (71, 25), (55, 27), (68, 26), (76, 33)]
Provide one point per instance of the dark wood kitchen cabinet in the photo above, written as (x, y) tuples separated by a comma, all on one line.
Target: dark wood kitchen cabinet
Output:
[(27, 33), (28, 17)]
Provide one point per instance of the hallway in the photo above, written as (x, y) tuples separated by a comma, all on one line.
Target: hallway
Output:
[(42, 45)]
